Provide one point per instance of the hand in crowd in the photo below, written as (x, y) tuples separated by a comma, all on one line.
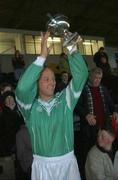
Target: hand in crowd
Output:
[(115, 116), (91, 119)]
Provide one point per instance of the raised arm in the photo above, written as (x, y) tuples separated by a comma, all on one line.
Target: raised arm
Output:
[(79, 73), (26, 90)]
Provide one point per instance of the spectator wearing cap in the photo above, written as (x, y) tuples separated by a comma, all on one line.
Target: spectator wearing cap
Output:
[(97, 56), (10, 120), (4, 87), (100, 58)]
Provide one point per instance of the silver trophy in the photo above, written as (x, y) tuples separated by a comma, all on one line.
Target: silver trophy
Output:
[(59, 26)]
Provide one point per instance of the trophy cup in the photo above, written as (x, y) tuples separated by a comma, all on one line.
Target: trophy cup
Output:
[(59, 26)]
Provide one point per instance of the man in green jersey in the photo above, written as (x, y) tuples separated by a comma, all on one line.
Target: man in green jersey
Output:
[(49, 117)]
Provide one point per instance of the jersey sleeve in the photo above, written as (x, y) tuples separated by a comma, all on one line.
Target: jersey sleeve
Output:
[(26, 90), (79, 74)]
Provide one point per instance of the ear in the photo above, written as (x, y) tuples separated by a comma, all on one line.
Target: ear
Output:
[(99, 131), (112, 139)]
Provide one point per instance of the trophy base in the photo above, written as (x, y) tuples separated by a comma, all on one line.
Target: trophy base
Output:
[(70, 40)]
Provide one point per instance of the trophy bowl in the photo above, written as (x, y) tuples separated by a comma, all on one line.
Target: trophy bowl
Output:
[(59, 26)]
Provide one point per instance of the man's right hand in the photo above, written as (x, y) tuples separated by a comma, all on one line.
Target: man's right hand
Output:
[(91, 119)]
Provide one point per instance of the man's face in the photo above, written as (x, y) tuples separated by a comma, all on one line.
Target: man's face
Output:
[(104, 138), (103, 60), (65, 77), (95, 79), (10, 102), (47, 84)]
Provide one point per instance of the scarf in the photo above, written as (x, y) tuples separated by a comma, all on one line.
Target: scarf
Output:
[(90, 99)]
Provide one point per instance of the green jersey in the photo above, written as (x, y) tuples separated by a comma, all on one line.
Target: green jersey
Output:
[(50, 124)]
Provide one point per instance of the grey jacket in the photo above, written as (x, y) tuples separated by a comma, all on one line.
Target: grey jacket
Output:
[(99, 165)]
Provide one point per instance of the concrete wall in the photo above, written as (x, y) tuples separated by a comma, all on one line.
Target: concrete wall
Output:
[(6, 64), (6, 61)]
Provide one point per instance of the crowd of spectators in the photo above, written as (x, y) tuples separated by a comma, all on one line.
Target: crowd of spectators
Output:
[(98, 103)]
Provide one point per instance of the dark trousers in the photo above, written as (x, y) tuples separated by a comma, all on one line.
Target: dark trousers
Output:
[(83, 141)]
